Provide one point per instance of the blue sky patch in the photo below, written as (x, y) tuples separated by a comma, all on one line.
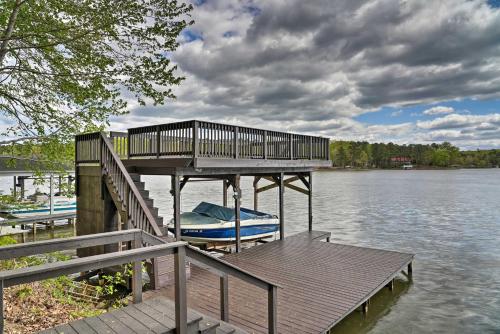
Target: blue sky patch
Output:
[(191, 35), (494, 3), (229, 33), (199, 2), (390, 115)]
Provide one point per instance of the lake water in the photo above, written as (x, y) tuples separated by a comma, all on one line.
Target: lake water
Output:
[(449, 219)]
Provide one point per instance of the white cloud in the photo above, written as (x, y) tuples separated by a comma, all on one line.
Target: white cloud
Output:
[(313, 66), (439, 110)]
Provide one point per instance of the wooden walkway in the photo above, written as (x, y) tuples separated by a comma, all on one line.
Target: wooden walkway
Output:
[(321, 283), (154, 316)]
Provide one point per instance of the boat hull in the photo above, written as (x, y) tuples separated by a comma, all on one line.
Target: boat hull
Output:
[(225, 231)]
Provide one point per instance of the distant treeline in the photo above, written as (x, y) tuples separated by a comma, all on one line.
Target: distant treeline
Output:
[(381, 155)]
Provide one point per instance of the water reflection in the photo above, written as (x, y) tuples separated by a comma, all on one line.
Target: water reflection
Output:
[(449, 219)]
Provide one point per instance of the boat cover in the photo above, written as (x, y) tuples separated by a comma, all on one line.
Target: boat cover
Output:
[(227, 214)]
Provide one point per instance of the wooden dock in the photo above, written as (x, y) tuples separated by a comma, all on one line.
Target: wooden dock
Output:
[(156, 315), (321, 283)]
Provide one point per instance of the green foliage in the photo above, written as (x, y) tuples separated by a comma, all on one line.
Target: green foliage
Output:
[(66, 65), (7, 240), (378, 155)]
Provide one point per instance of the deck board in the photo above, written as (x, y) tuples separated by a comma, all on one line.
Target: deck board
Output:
[(322, 283)]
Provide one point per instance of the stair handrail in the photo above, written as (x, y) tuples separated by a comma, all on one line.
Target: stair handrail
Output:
[(137, 210)]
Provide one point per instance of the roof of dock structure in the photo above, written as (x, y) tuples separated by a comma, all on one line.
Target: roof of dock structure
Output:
[(321, 283)]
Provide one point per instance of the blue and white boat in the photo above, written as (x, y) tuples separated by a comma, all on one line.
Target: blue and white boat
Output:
[(214, 223), (61, 205)]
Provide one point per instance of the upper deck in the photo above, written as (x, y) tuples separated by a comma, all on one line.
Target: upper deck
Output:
[(204, 145)]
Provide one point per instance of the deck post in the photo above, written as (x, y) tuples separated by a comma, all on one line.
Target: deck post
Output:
[(310, 203), (281, 207), (1, 306), (176, 193), (137, 272), (180, 290), (224, 298), (272, 308), (237, 203), (225, 185), (14, 189), (255, 193), (22, 186)]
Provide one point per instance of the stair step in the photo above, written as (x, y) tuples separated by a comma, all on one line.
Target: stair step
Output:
[(135, 177), (140, 185), (144, 193), (153, 210), (208, 326), (149, 202)]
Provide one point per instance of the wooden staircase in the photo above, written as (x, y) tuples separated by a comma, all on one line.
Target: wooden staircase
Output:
[(141, 186), (155, 315)]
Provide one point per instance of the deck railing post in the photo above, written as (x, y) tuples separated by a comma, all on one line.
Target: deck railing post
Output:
[(224, 298), (272, 308), (310, 148), (137, 272), (196, 139), (236, 143), (158, 140), (290, 143), (180, 290), (265, 145)]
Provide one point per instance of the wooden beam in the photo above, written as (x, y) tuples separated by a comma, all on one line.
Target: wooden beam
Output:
[(176, 192), (286, 183), (55, 269), (309, 200), (224, 298), (184, 181), (272, 309), (137, 272), (281, 206), (41, 247), (304, 181), (180, 290), (255, 193), (237, 203), (225, 185)]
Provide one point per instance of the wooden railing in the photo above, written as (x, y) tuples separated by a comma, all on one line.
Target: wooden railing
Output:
[(144, 246), (139, 215), (224, 269), (98, 148), (88, 147), (136, 238), (214, 140), (120, 143)]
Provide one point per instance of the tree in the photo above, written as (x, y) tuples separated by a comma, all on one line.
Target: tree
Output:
[(65, 66)]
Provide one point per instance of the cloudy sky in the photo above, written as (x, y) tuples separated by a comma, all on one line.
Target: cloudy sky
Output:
[(383, 70)]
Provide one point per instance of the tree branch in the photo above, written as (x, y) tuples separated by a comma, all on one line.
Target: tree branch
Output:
[(10, 27)]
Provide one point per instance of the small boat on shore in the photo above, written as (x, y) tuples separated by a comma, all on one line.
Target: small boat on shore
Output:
[(214, 223), (62, 204)]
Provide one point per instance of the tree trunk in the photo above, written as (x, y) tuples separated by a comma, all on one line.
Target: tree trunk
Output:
[(8, 31)]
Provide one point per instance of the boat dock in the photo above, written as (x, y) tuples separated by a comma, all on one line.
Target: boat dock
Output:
[(321, 283), (298, 284)]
